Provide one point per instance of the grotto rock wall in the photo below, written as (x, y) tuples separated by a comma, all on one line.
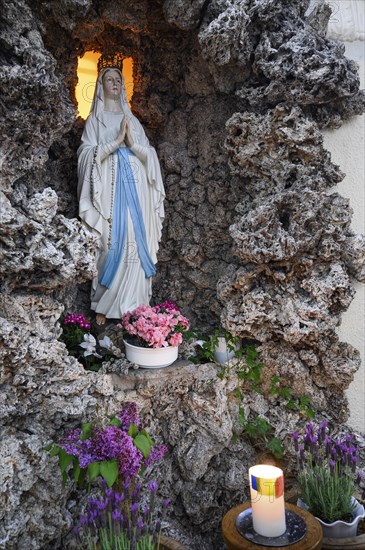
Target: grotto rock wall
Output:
[(232, 94)]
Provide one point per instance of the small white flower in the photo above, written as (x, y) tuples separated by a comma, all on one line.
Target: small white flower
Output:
[(89, 345), (199, 343), (106, 342)]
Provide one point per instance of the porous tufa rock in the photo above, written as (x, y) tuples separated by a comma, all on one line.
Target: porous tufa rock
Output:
[(232, 94), (42, 207), (184, 14), (42, 251), (282, 149), (29, 81), (223, 35)]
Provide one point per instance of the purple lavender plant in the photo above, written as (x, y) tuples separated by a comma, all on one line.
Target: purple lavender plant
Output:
[(122, 520), (327, 471)]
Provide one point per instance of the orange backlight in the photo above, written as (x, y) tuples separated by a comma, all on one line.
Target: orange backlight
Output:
[(87, 74)]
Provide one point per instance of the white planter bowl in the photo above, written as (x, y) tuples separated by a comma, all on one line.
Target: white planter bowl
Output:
[(151, 358), (340, 529)]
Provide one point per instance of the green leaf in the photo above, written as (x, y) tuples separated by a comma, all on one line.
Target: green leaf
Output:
[(143, 432), (276, 447), (285, 392), (263, 427), (109, 470), (304, 401), (242, 417), (115, 422), (48, 447), (310, 412), (77, 469), (142, 443), (86, 431), (251, 352), (133, 430), (55, 451), (251, 429), (93, 470), (238, 393), (64, 459), (291, 404)]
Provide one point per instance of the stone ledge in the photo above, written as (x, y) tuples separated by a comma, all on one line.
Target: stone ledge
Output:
[(180, 368)]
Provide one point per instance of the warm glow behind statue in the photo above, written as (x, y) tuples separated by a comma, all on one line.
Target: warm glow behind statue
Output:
[(87, 74)]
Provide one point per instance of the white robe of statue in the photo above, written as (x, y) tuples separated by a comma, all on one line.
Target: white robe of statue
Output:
[(97, 172)]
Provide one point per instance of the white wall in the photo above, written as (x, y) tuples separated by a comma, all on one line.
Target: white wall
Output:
[(347, 147)]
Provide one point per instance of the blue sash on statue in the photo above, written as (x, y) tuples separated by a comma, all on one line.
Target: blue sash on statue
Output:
[(126, 198)]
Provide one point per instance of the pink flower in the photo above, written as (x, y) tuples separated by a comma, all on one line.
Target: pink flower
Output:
[(175, 339), (169, 305), (156, 326)]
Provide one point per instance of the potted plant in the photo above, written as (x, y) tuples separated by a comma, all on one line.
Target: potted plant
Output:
[(114, 451), (152, 334), (327, 475), (83, 343)]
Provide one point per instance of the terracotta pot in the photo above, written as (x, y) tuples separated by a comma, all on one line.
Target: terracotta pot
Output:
[(350, 543), (166, 543), (151, 358)]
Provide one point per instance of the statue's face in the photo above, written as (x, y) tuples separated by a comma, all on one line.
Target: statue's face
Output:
[(112, 84)]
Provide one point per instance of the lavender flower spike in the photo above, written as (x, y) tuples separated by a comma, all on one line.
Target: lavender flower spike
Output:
[(153, 486)]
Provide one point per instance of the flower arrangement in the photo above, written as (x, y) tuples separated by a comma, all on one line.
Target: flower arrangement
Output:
[(116, 451), (155, 326), (77, 334), (327, 472)]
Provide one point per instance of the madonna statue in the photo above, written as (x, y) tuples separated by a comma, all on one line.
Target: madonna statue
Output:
[(121, 197)]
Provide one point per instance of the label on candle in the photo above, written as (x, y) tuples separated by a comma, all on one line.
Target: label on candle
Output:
[(268, 487)]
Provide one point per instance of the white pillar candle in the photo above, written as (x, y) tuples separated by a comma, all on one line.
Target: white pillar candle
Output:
[(267, 500)]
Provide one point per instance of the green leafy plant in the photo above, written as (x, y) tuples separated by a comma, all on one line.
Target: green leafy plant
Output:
[(250, 371), (302, 403), (260, 431)]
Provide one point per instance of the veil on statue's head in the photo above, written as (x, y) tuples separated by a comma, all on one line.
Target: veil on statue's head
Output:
[(107, 63)]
